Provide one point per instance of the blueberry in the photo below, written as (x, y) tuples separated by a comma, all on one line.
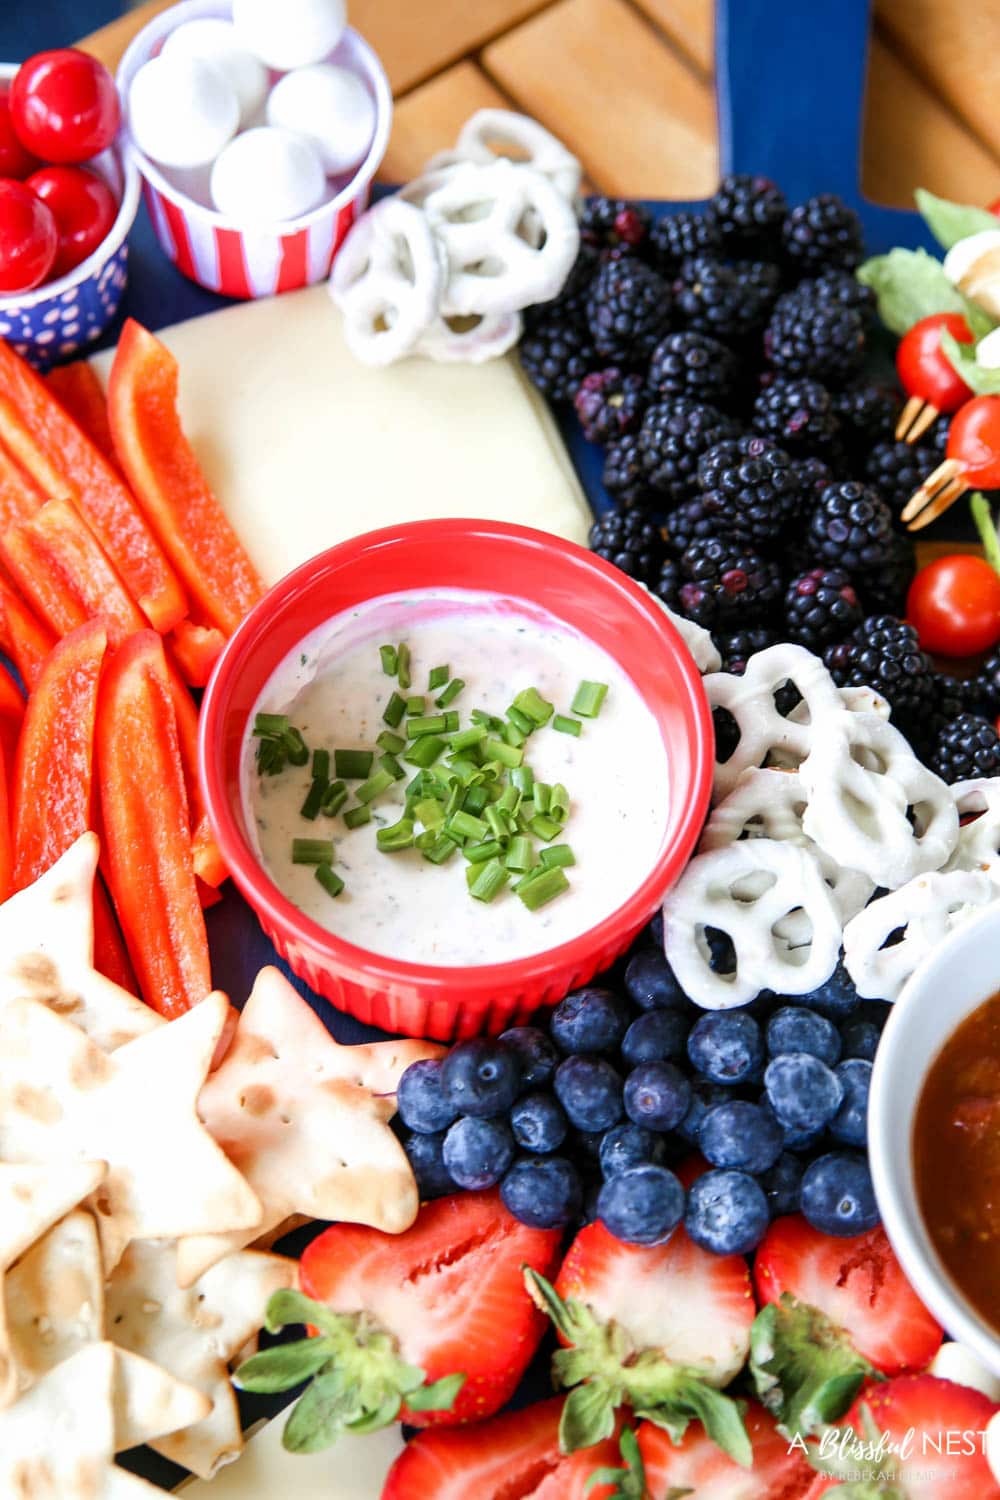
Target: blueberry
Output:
[(837, 1194), (538, 1122), (704, 1094), (726, 1046), (420, 1101), (481, 1078), (849, 1125), (650, 982), (535, 1051), (589, 1020), (727, 1212), (590, 1091), (424, 1153), (741, 1135), (478, 1152), (542, 1191), (642, 1205), (629, 1145), (782, 1184), (654, 932), (657, 1095), (794, 1028), (860, 1039), (804, 1093), (837, 998), (655, 1037)]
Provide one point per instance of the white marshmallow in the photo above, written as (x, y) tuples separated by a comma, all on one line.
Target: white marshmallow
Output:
[(267, 176), (329, 105), (292, 33), (215, 41), (988, 351), (182, 110), (957, 1362)]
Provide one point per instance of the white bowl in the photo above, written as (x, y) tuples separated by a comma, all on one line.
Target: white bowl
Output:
[(952, 983)]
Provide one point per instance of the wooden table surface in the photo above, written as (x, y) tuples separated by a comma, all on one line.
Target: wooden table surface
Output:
[(627, 84)]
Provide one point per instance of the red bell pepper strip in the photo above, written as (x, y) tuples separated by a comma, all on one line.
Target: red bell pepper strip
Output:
[(196, 649), (205, 851), (80, 393), (62, 570), (19, 494), (25, 638), (147, 842), (56, 446), (169, 485), (11, 718), (110, 953), (54, 771)]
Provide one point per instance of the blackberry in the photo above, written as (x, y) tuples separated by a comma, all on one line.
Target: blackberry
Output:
[(571, 304), (753, 485), (884, 654), (749, 213), (968, 746), (672, 438), (556, 356), (845, 290), (623, 475), (798, 414), (809, 337), (676, 236), (732, 302), (692, 364), (726, 583), (983, 691), (667, 586), (630, 540), (885, 592), (867, 413), (610, 403), (612, 223), (628, 311), (897, 469), (690, 522), (822, 233), (851, 527), (820, 607), (814, 476), (737, 649), (949, 697)]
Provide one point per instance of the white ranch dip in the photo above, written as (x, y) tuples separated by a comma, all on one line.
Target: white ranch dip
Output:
[(333, 689)]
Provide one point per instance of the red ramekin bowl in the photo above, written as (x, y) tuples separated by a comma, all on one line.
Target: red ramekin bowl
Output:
[(577, 588)]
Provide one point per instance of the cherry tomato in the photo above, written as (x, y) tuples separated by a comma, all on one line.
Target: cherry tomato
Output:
[(14, 160), (28, 237), (923, 369), (84, 207), (64, 105), (974, 441), (954, 605)]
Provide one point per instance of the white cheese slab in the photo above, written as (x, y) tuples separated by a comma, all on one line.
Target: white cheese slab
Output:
[(355, 1469)]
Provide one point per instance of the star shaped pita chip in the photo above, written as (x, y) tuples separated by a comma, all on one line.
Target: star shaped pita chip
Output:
[(62, 1099), (306, 1122), (194, 1333), (47, 952), (32, 1199)]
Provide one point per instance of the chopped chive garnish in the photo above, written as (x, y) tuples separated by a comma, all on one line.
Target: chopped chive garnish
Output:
[(545, 828), (513, 736), (441, 850), (541, 795), (559, 803), (538, 709), (396, 836), (273, 726), (355, 817), (589, 698), (556, 855), (374, 786), (488, 721), (270, 757), (415, 705), (565, 725), (314, 798), (416, 787), (475, 799), (329, 880), (295, 747), (451, 721), (403, 664), (544, 888), (520, 854), (394, 710), (394, 744), (390, 764), (352, 765), (466, 738), (523, 778), (496, 822), (429, 812), (425, 751), (450, 693), (466, 826), (490, 880), (454, 799), (312, 851), (334, 798), (390, 661), (423, 724), (465, 771), (477, 854), (321, 764), (437, 678), (425, 840), (509, 800), (520, 720), (507, 755)]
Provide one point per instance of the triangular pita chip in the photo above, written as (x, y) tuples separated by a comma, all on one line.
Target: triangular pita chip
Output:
[(149, 1402), (306, 1122), (47, 950), (55, 1296), (62, 1098), (32, 1199), (194, 1333)]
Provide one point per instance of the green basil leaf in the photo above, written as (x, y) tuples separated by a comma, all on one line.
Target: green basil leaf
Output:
[(437, 1397), (962, 358), (950, 222), (588, 1417), (283, 1367), (910, 285)]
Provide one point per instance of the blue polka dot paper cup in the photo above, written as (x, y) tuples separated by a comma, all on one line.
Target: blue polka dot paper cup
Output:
[(61, 318)]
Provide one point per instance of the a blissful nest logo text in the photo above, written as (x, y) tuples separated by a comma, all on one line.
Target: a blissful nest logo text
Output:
[(881, 1456)]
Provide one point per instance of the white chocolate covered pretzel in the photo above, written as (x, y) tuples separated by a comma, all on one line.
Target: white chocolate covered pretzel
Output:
[(925, 910), (978, 804), (487, 129), (746, 891), (388, 280), (471, 341)]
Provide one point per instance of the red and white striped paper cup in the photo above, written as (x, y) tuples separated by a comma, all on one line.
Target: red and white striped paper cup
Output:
[(210, 248)]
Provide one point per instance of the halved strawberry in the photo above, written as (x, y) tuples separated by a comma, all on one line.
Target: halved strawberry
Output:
[(932, 1448), (779, 1472), (695, 1307), (449, 1290), (513, 1457), (860, 1286)]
